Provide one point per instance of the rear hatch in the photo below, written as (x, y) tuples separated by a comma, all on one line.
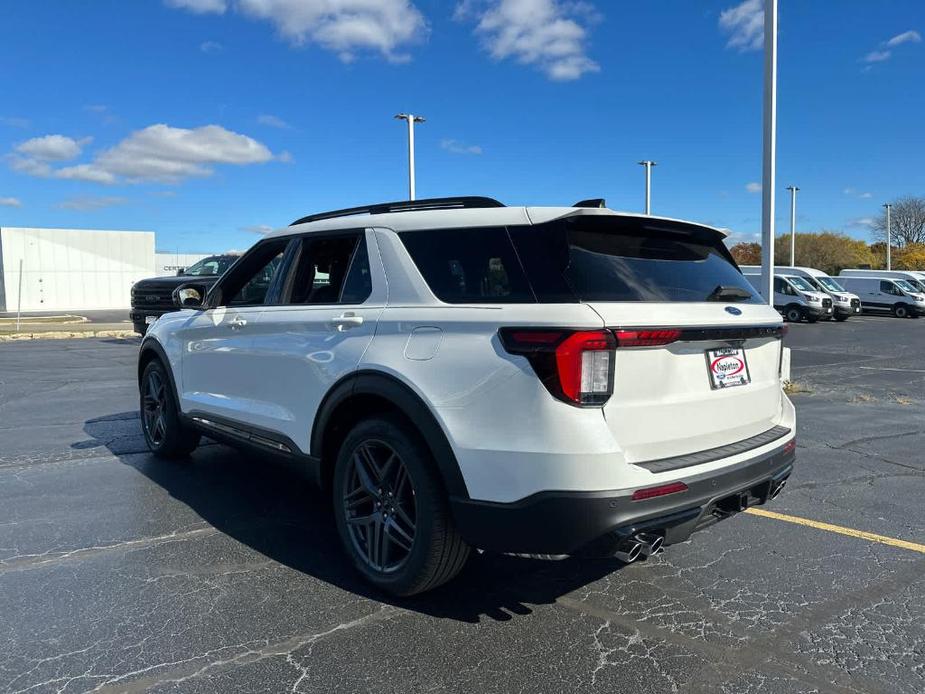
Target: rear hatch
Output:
[(698, 357)]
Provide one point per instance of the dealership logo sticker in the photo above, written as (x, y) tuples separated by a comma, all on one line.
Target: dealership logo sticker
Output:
[(727, 367)]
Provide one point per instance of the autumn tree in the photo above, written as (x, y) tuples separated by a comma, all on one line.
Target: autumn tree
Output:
[(746, 253), (909, 257), (907, 221), (828, 251)]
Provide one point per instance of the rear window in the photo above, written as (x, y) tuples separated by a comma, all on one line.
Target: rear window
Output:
[(580, 259), (628, 259)]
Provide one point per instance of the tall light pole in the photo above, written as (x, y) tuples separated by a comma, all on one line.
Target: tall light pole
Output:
[(412, 119), (793, 224), (769, 153), (648, 164), (888, 207)]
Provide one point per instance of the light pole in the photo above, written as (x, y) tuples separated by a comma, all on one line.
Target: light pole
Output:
[(888, 207), (412, 119), (769, 152), (793, 224), (648, 164)]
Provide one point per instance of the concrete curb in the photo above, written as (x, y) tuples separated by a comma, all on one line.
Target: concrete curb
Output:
[(63, 335)]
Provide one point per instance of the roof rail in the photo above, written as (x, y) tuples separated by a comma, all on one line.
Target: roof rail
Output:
[(462, 202)]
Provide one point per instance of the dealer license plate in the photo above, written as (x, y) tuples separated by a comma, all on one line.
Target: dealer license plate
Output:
[(727, 367)]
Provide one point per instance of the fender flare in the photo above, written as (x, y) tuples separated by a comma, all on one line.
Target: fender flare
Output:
[(150, 346), (409, 403)]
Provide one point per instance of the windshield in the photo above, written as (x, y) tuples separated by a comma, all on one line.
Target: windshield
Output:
[(906, 287), (213, 265), (831, 284), (800, 284)]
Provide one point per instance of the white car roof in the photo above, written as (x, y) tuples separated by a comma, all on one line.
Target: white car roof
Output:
[(468, 217)]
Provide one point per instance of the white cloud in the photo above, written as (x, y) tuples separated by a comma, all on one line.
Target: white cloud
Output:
[(10, 202), (877, 56), (91, 203), (457, 147), (548, 34), (258, 228), (905, 37), (273, 121), (867, 222), (753, 187), (157, 153), (210, 47), (200, 6), (883, 53), (341, 26), (52, 147), (745, 25), (855, 193)]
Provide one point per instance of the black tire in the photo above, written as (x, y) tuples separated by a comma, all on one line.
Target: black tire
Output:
[(794, 314), (383, 467), (901, 311), (842, 317), (810, 318), (165, 433)]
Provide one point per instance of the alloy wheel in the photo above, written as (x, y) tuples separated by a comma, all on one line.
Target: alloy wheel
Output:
[(155, 407), (379, 506)]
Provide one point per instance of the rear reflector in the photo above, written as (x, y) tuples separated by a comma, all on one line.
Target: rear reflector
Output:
[(664, 490), (646, 338), (791, 445)]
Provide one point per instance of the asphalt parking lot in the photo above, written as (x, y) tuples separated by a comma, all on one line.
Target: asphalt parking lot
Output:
[(119, 572)]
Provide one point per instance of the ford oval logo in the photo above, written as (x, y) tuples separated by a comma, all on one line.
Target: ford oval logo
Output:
[(734, 311)]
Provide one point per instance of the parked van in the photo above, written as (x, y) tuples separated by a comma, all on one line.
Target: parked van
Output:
[(845, 303), (913, 277), (887, 294), (794, 298)]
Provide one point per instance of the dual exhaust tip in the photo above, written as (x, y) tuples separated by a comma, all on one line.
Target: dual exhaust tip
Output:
[(639, 545)]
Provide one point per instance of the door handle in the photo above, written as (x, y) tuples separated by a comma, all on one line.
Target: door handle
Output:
[(238, 323), (347, 321)]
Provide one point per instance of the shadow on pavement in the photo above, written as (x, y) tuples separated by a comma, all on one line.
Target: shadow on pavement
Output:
[(269, 505)]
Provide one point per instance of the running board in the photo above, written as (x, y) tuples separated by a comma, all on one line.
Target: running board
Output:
[(241, 434)]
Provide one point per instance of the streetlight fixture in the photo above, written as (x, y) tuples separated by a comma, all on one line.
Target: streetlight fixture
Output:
[(648, 164), (793, 224), (412, 119), (888, 207), (769, 153)]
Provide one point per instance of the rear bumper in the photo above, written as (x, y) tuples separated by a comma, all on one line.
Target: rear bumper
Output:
[(567, 522)]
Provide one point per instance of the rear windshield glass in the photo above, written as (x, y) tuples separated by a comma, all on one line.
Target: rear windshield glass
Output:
[(629, 259), (584, 259)]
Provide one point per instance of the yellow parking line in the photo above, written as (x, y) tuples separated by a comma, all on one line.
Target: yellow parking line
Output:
[(841, 530)]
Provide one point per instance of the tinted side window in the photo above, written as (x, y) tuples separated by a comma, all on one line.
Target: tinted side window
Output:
[(251, 279), (331, 270), (887, 287), (469, 265)]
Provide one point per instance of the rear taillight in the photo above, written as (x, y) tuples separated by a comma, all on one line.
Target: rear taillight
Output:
[(575, 365), (646, 338)]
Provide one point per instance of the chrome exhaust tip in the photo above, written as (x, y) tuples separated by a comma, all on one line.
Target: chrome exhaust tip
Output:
[(778, 489), (650, 543), (628, 552)]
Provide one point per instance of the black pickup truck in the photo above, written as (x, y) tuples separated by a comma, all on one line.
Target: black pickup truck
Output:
[(153, 297)]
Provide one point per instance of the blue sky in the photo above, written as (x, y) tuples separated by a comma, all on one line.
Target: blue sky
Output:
[(206, 120)]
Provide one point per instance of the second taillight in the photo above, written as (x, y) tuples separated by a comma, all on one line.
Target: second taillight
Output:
[(575, 366)]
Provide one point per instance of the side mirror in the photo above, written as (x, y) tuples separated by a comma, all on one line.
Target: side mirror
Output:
[(180, 271), (189, 295)]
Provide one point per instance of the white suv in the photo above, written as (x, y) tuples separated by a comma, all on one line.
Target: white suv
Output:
[(459, 374)]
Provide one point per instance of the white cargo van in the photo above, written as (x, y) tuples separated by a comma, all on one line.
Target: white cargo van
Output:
[(913, 277), (887, 295), (845, 303), (794, 298)]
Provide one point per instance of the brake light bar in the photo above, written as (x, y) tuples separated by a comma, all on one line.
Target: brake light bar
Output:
[(646, 338)]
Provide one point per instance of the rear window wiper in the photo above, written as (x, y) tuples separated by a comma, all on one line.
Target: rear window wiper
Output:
[(725, 292)]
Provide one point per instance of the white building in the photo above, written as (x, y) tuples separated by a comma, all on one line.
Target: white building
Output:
[(169, 263), (71, 269)]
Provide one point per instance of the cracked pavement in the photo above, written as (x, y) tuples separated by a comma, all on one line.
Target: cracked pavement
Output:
[(121, 573)]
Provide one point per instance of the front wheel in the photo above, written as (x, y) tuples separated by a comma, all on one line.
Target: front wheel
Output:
[(900, 311), (794, 314), (165, 433), (392, 513)]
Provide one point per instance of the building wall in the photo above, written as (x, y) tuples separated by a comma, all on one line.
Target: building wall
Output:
[(168, 263), (72, 269)]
